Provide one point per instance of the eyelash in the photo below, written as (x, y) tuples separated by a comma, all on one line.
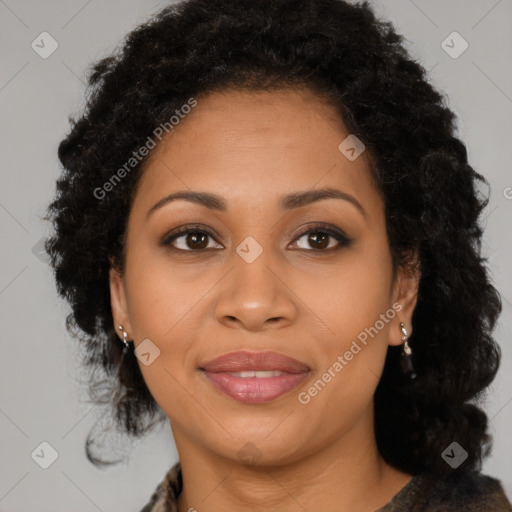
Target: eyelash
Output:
[(339, 236)]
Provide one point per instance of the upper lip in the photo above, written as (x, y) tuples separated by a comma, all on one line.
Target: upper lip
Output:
[(245, 360)]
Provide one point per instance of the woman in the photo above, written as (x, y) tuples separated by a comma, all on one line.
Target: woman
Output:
[(269, 235)]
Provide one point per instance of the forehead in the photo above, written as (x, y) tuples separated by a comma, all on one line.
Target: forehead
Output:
[(252, 146)]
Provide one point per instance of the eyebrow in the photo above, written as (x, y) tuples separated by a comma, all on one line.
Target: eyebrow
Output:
[(288, 202)]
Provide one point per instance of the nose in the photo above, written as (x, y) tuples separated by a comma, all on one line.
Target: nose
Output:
[(255, 296)]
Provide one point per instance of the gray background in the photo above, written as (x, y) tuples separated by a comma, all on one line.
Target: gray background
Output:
[(41, 398)]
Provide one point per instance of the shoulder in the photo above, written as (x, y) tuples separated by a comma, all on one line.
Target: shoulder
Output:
[(165, 496), (465, 490)]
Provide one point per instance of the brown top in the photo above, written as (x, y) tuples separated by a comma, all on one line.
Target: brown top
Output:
[(459, 491)]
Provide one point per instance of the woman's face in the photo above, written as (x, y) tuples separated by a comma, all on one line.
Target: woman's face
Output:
[(268, 278)]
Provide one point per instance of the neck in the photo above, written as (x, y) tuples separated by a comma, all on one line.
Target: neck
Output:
[(346, 474)]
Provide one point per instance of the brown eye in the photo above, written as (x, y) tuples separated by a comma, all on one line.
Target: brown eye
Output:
[(196, 240), (323, 239), (188, 239), (319, 240)]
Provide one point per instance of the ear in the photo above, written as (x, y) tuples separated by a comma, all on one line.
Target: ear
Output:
[(118, 302), (405, 297)]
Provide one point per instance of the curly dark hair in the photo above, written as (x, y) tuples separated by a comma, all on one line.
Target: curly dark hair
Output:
[(433, 204)]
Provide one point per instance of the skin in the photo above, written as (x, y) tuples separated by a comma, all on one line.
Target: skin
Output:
[(252, 148)]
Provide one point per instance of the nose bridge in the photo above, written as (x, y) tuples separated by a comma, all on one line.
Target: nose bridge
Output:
[(252, 269), (253, 293)]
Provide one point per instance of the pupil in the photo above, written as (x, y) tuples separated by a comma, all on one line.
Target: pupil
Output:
[(315, 237), (197, 240), (194, 238)]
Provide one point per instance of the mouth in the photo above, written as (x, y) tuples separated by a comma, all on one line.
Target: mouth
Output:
[(255, 377)]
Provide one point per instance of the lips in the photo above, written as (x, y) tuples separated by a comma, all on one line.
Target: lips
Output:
[(255, 377), (254, 361)]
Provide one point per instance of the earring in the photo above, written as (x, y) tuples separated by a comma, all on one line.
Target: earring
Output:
[(125, 341), (406, 356)]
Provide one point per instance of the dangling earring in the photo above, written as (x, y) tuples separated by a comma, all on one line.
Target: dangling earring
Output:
[(406, 356), (125, 341)]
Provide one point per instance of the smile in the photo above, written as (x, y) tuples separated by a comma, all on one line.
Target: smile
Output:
[(255, 387)]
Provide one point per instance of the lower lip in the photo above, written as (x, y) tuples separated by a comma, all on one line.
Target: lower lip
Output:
[(253, 390)]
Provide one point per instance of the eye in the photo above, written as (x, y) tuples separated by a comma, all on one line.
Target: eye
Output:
[(190, 238), (323, 238)]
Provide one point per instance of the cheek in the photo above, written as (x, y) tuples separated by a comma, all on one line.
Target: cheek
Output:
[(166, 304), (160, 292), (352, 359), (160, 310), (353, 305), (349, 296)]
